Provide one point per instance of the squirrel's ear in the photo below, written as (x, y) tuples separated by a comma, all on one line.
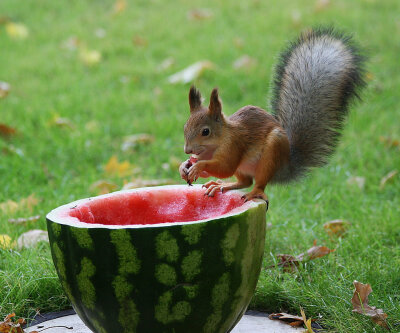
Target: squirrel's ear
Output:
[(194, 99), (215, 107)]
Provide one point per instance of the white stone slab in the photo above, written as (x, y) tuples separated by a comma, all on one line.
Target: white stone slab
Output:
[(251, 323)]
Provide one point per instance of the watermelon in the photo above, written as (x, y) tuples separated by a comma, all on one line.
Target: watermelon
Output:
[(161, 259)]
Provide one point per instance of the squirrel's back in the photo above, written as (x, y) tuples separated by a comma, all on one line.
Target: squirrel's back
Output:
[(318, 75)]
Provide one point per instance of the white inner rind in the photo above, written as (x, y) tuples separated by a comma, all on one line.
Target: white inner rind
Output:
[(61, 215)]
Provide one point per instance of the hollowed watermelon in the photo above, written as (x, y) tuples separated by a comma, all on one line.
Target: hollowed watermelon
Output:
[(162, 259)]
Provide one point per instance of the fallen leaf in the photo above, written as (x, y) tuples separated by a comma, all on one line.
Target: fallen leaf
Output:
[(100, 33), (360, 304), (369, 76), (358, 181), (294, 321), (238, 42), (72, 43), (288, 262), (307, 322), (12, 326), (4, 89), (147, 183), (296, 18), (199, 14), (119, 7), (244, 62), (115, 168), (165, 64), (24, 220), (7, 131), (321, 5), (389, 141), (6, 243), (314, 253), (139, 41), (17, 30), (336, 227), (62, 122), (133, 141), (90, 57), (388, 178), (10, 206), (31, 238), (103, 187), (10, 149), (191, 73)]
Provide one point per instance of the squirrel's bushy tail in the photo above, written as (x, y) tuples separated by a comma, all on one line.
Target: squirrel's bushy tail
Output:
[(318, 75)]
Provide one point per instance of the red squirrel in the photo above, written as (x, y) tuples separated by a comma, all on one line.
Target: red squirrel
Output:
[(316, 78)]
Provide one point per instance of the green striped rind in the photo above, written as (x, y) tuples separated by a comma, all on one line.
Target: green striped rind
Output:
[(195, 277)]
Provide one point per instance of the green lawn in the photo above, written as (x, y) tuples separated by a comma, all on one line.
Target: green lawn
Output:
[(127, 93)]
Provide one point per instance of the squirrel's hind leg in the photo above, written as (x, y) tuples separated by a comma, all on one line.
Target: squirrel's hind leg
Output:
[(213, 186)]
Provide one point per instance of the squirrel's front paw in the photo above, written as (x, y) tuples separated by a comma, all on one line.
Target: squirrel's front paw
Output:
[(194, 171)]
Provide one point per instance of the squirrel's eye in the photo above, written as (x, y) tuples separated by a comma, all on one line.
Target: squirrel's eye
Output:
[(205, 132)]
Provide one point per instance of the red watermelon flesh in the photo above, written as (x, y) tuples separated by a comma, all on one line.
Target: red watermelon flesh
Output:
[(169, 204)]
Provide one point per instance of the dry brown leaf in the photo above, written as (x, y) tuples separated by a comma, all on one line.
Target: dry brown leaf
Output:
[(147, 183), (12, 326), (31, 238), (336, 227), (199, 14), (315, 252), (115, 168), (133, 141), (103, 186), (191, 72), (294, 321), (4, 89), (360, 304), (7, 131), (139, 41), (288, 262), (358, 181), (244, 62), (17, 30), (388, 178), (389, 141), (24, 220)]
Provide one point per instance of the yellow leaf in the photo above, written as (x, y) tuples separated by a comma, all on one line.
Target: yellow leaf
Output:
[(6, 242), (307, 322), (10, 206), (115, 168), (90, 57), (103, 187), (17, 30), (388, 178), (119, 6), (62, 122)]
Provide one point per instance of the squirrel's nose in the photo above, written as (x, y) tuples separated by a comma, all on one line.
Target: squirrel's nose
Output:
[(187, 149)]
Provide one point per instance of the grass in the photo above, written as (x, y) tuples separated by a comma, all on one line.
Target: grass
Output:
[(126, 94)]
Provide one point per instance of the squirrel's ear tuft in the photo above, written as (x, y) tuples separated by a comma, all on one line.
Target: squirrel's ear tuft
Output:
[(215, 107), (194, 99)]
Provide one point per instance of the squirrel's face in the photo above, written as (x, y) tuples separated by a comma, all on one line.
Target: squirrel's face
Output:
[(204, 127)]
